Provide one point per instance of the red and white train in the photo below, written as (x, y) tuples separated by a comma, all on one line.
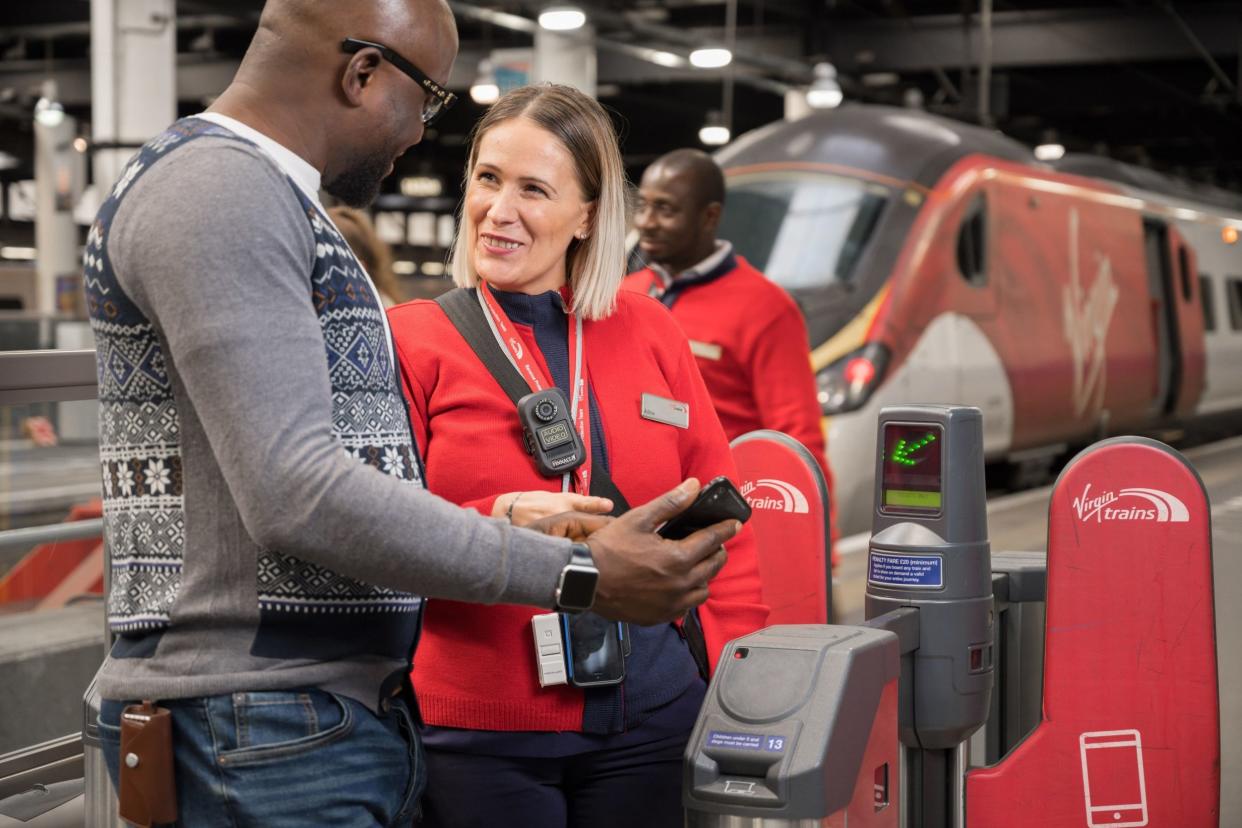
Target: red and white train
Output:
[(940, 262)]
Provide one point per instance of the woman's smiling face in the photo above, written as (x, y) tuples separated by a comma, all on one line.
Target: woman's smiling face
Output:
[(524, 206)]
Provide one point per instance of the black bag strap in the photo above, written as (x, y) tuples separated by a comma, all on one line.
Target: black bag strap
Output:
[(463, 310)]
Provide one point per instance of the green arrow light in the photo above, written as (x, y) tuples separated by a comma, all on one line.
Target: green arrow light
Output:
[(904, 453)]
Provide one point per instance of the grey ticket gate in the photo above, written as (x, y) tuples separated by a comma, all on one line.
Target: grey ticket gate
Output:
[(794, 729), (1126, 718)]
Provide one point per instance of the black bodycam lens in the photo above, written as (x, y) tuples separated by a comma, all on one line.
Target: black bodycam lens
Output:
[(545, 410)]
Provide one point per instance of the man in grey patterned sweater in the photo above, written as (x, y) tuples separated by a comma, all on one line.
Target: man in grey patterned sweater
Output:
[(264, 510)]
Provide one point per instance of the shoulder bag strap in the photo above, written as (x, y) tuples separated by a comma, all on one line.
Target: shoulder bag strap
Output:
[(464, 312)]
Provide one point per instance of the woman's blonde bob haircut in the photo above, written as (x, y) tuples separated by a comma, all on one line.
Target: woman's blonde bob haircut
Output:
[(596, 264)]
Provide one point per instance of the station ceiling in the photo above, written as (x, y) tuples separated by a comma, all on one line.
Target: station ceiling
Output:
[(1149, 82)]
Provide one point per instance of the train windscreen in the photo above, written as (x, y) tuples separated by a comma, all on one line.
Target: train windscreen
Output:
[(803, 230)]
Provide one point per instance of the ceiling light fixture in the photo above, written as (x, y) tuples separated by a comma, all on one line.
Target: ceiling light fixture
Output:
[(562, 18), (714, 133), (49, 112), (1051, 149), (824, 92), (667, 59), (712, 58), (485, 91)]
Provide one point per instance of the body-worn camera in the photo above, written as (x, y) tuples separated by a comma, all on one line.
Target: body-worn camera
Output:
[(548, 429)]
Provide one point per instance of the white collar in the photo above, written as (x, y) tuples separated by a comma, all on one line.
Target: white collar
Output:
[(297, 167), (722, 251)]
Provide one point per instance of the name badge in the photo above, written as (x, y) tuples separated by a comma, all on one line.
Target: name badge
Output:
[(670, 412), (705, 349)]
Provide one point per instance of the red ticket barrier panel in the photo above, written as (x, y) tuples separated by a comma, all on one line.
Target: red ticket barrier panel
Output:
[(1130, 733), (785, 487)]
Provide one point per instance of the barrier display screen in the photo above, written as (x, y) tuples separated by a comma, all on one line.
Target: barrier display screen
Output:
[(912, 482)]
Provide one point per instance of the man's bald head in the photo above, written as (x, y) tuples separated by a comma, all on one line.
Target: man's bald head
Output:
[(349, 115), (700, 172), (681, 196)]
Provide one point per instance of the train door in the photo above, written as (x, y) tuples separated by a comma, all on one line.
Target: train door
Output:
[(981, 378), (1190, 323), (1178, 333)]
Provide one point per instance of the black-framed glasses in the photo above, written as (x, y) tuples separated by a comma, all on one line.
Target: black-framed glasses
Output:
[(438, 101)]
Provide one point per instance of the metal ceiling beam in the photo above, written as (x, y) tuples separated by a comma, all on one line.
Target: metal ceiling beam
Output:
[(1044, 38), (614, 31)]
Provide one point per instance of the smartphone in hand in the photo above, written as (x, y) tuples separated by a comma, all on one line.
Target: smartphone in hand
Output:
[(718, 500)]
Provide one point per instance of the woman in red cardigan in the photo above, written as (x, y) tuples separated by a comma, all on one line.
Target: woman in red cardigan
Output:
[(541, 248)]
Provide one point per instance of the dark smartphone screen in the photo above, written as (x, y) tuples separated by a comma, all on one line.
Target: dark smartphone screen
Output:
[(718, 500), (594, 647)]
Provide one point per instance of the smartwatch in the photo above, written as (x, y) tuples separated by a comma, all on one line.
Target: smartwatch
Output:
[(575, 591)]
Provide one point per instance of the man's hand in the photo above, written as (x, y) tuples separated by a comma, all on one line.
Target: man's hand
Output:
[(645, 579), (577, 526)]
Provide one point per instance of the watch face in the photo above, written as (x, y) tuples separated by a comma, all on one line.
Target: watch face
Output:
[(577, 589)]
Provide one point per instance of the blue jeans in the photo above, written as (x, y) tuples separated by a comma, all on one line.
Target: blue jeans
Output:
[(287, 758)]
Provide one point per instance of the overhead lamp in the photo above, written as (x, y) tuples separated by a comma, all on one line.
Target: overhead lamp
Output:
[(714, 133), (27, 254), (824, 92), (80, 144), (562, 18), (1051, 149), (711, 58), (666, 59), (49, 112), (485, 91)]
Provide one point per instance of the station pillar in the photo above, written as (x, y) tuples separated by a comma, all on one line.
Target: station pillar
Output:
[(133, 80), (566, 57), (59, 173)]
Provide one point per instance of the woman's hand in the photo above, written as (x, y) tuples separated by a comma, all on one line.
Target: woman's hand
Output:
[(523, 508)]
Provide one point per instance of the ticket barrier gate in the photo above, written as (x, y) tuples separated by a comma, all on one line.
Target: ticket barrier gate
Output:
[(1128, 735)]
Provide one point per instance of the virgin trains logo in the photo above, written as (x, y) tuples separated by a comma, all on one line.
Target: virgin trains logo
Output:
[(785, 497), (1086, 316), (1130, 504)]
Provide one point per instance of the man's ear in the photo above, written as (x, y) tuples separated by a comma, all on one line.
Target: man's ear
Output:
[(711, 216), (359, 74)]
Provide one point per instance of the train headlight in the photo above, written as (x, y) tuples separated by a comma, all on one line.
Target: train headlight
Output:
[(848, 383)]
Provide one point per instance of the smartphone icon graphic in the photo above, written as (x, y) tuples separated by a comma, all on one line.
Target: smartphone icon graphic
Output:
[(1112, 778)]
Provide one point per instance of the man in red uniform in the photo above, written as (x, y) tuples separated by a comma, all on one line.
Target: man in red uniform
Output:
[(746, 333)]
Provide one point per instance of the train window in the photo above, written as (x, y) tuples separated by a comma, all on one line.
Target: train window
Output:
[(972, 243), (1208, 302), (803, 231), (1233, 287)]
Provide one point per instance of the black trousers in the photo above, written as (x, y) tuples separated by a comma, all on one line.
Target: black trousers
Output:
[(630, 787)]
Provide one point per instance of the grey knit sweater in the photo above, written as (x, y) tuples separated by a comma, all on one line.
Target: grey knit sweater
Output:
[(263, 503)]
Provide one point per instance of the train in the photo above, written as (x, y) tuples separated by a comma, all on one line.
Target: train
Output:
[(940, 262)]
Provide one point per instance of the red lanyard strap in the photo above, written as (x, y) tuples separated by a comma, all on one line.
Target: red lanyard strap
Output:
[(511, 343)]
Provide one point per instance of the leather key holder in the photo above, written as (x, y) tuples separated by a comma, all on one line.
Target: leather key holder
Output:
[(148, 790)]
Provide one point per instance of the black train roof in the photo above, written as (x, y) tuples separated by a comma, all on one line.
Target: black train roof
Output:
[(905, 144)]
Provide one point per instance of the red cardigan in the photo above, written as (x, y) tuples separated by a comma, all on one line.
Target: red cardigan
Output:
[(475, 666), (751, 346)]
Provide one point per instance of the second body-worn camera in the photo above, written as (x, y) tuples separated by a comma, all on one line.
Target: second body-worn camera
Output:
[(548, 429)]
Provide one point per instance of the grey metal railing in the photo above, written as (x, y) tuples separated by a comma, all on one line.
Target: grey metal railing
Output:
[(51, 533), (47, 376)]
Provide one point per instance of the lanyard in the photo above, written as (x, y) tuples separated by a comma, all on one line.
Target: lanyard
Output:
[(511, 343)]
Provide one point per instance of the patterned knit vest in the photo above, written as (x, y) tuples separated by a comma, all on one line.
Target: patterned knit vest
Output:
[(305, 610)]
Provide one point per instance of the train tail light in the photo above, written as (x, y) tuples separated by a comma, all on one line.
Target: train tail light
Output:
[(848, 383)]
